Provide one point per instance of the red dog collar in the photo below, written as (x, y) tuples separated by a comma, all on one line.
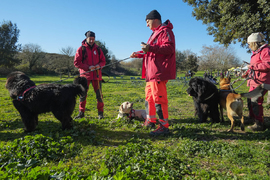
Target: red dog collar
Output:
[(131, 114), (20, 97)]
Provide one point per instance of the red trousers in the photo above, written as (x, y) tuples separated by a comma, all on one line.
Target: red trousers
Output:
[(156, 101), (255, 106), (98, 92)]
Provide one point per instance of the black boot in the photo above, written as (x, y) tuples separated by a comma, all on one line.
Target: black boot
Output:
[(80, 115), (100, 115)]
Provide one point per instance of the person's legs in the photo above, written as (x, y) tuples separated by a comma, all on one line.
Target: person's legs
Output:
[(256, 111), (149, 107), (159, 94), (82, 104), (98, 90)]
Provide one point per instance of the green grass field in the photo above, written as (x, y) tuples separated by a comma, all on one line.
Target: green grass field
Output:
[(118, 149)]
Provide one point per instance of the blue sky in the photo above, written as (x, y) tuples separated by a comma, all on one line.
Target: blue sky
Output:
[(56, 24)]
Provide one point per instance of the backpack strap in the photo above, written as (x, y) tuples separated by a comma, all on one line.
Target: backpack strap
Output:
[(83, 52), (98, 49)]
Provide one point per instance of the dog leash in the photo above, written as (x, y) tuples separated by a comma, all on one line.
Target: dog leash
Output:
[(250, 76), (92, 70)]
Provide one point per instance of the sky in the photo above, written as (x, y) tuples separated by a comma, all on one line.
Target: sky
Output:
[(120, 24)]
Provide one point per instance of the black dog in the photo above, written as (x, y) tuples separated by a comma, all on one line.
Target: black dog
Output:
[(206, 98), (31, 100)]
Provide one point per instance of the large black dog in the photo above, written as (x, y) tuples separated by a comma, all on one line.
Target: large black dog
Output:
[(206, 98), (31, 100)]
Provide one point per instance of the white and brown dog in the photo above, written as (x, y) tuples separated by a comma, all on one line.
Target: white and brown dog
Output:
[(126, 109)]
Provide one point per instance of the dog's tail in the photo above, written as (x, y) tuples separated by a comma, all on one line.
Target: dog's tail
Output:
[(83, 87), (257, 92)]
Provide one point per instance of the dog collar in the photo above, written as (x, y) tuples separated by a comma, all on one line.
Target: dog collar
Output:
[(210, 96), (131, 114), (20, 97)]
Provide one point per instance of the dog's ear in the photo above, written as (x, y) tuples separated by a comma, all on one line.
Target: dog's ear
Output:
[(121, 108), (221, 77)]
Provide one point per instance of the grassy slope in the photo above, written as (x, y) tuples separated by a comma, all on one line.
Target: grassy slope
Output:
[(192, 151)]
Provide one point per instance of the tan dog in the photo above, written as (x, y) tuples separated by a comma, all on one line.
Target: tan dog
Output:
[(126, 108), (231, 102)]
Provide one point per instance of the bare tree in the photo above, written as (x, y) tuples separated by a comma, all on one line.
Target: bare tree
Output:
[(218, 58), (66, 63), (31, 54)]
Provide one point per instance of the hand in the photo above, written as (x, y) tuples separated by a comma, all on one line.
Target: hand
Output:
[(245, 75), (97, 67), (134, 55), (92, 68), (145, 47)]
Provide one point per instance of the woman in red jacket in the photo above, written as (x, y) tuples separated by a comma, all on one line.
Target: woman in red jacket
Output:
[(260, 64), (159, 66)]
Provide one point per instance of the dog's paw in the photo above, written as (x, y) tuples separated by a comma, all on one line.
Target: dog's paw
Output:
[(242, 127)]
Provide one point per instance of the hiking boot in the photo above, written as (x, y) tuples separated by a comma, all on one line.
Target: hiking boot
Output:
[(160, 130), (258, 126), (147, 123), (100, 115), (80, 115)]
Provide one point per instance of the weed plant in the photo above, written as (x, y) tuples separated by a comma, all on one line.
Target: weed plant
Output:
[(117, 149)]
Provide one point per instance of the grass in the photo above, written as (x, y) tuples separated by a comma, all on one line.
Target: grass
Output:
[(118, 149)]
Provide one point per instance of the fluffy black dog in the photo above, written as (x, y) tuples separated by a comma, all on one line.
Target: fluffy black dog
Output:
[(206, 98), (31, 100)]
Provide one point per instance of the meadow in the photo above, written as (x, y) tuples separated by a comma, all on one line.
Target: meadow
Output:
[(118, 149)]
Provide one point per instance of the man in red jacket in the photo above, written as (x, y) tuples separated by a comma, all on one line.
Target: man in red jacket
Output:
[(89, 59), (159, 66)]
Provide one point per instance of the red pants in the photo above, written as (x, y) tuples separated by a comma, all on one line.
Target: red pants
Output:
[(98, 92), (156, 101), (255, 106)]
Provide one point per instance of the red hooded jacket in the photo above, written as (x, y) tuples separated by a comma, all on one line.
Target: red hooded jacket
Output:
[(91, 58), (159, 63), (260, 63)]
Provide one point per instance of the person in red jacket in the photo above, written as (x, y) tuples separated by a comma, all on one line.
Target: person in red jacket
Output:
[(159, 66), (260, 64), (90, 67)]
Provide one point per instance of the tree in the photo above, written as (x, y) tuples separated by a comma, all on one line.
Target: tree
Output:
[(218, 58), (234, 20), (9, 34), (191, 61), (31, 54), (180, 58), (104, 50), (68, 59)]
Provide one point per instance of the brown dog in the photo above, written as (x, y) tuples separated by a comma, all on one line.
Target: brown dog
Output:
[(231, 102)]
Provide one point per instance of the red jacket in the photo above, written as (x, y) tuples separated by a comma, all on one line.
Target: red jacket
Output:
[(159, 63), (260, 63), (91, 58)]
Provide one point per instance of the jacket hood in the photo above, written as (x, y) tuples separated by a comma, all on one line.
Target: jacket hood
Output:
[(260, 48), (166, 24)]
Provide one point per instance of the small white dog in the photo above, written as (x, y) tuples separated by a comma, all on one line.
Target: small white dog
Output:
[(126, 108)]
